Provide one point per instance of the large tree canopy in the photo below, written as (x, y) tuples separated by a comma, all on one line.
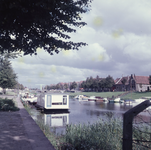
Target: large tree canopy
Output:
[(26, 25)]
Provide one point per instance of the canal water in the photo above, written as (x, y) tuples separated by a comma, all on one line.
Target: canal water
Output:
[(82, 113)]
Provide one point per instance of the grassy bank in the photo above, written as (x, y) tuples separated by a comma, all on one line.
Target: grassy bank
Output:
[(133, 95), (102, 135), (101, 94), (137, 95), (8, 105)]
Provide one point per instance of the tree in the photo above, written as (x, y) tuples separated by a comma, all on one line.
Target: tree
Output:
[(58, 87), (73, 85), (19, 86), (65, 86), (109, 81), (26, 25), (7, 75), (102, 84)]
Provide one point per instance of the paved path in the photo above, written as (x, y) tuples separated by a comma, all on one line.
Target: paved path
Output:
[(18, 131)]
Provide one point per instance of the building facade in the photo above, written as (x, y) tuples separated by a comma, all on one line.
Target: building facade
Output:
[(132, 83)]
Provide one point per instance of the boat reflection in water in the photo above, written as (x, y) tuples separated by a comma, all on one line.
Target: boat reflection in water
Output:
[(56, 120)]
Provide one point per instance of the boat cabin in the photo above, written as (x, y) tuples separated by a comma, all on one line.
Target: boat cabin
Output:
[(53, 101)]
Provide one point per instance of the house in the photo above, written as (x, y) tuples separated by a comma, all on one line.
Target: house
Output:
[(133, 82)]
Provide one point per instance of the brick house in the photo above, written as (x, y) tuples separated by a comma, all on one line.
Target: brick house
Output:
[(136, 83)]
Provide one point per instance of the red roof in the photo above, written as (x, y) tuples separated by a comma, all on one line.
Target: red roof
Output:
[(138, 80), (142, 79)]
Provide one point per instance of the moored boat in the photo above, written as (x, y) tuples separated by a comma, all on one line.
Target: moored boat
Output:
[(99, 99), (92, 98), (53, 102), (116, 100), (78, 97)]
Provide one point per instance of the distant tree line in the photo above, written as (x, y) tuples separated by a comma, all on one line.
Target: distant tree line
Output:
[(90, 84), (19, 86), (62, 86), (98, 84)]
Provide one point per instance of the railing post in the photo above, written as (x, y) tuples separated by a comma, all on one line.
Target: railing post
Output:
[(127, 123)]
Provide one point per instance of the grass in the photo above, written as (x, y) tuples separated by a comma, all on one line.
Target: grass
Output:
[(101, 94), (102, 135), (132, 96), (137, 95), (142, 136), (8, 105)]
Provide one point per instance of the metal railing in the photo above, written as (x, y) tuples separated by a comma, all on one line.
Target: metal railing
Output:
[(133, 134)]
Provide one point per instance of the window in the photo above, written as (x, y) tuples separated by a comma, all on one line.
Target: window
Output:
[(64, 99), (48, 101), (56, 103)]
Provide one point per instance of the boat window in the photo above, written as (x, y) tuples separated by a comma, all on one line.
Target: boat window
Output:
[(56, 103), (64, 99), (48, 101)]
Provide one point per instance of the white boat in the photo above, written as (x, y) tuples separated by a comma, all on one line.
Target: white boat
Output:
[(92, 98), (53, 101), (78, 97), (32, 100), (105, 100), (117, 100), (140, 100), (84, 98), (128, 102)]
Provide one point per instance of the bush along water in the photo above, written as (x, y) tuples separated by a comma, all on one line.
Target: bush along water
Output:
[(103, 135), (7, 105)]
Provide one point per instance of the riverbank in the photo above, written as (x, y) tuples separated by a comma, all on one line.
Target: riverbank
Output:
[(18, 131), (131, 95)]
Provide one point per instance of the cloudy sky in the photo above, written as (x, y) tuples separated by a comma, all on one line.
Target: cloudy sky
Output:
[(118, 34)]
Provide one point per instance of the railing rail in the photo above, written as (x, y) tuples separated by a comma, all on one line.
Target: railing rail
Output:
[(127, 123)]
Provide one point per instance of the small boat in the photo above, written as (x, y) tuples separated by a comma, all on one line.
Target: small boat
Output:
[(84, 98), (32, 100), (128, 102), (78, 97), (92, 98), (105, 99), (116, 100), (140, 100), (99, 99)]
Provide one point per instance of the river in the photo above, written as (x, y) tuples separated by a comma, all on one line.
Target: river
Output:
[(83, 113)]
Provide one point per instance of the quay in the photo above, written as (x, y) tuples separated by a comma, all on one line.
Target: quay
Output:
[(18, 131)]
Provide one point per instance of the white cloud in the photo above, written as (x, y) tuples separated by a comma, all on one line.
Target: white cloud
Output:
[(118, 38)]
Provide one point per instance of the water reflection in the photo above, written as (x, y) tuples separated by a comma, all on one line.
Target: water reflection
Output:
[(56, 120), (84, 112)]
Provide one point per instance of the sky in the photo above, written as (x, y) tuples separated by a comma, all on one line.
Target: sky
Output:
[(118, 34)]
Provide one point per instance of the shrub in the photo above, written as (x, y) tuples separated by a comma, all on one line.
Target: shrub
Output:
[(7, 105)]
